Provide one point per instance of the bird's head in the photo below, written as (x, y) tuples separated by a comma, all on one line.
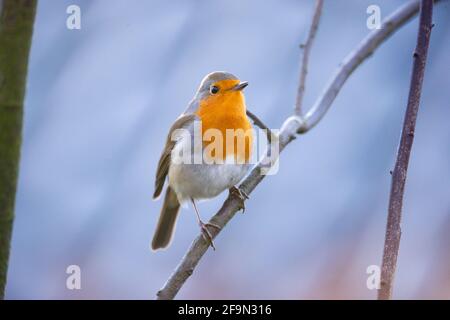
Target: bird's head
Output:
[(218, 84)]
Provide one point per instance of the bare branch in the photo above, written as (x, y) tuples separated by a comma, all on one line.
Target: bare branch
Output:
[(393, 230), (354, 59), (305, 59), (291, 126)]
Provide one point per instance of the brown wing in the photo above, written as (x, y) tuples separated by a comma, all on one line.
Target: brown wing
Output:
[(164, 162)]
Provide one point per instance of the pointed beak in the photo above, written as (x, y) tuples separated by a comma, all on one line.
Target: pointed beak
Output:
[(240, 86)]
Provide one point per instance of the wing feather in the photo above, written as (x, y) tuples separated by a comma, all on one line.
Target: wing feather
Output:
[(164, 162)]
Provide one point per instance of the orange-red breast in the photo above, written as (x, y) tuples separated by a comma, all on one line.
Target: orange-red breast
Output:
[(218, 107)]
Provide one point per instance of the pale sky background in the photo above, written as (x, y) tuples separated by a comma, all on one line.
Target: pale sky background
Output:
[(101, 99)]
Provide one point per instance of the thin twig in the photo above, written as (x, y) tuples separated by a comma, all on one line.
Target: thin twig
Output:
[(291, 126), (393, 229), (305, 58), (261, 125)]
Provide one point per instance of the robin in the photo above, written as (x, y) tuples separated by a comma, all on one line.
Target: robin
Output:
[(219, 107)]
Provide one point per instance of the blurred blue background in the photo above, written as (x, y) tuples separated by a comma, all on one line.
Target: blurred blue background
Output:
[(101, 99)]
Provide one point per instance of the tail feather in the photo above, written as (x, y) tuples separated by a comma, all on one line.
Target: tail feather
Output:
[(167, 220)]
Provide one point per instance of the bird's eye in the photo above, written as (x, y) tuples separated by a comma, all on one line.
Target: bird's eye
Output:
[(213, 89)]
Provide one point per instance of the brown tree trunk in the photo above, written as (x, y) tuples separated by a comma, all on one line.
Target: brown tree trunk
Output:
[(16, 29)]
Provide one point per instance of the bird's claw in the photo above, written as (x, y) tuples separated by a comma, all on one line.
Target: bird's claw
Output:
[(241, 195), (207, 234)]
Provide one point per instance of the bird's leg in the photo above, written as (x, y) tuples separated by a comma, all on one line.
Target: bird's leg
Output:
[(204, 226), (241, 195)]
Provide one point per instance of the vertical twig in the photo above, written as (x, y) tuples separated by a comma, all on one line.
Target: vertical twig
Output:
[(393, 230), (16, 29), (305, 58)]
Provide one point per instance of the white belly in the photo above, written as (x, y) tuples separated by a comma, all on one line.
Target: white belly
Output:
[(202, 181)]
